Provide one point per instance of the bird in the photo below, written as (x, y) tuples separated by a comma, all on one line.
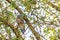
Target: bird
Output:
[(20, 22)]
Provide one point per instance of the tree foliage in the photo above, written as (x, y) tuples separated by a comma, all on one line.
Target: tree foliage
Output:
[(40, 17)]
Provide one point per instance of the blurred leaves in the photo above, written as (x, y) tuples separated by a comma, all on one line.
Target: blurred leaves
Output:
[(7, 28), (25, 2), (58, 30), (10, 15), (15, 39), (58, 4), (28, 4), (28, 8), (42, 18), (1, 5), (13, 5), (45, 1), (2, 37), (49, 30), (53, 37)]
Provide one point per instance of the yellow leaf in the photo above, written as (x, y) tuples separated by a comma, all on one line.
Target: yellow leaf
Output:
[(58, 4), (28, 7)]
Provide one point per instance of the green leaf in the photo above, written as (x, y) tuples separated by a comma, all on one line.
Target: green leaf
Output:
[(28, 8), (1, 23), (58, 30), (53, 37), (42, 18), (10, 14), (13, 5), (59, 13), (45, 30), (58, 4), (14, 39), (45, 1), (33, 2), (1, 5)]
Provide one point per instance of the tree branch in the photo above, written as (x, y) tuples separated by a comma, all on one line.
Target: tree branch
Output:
[(14, 28), (54, 6), (27, 21)]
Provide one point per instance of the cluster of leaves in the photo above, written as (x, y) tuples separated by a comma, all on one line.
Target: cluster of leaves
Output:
[(28, 4), (50, 30), (45, 1)]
